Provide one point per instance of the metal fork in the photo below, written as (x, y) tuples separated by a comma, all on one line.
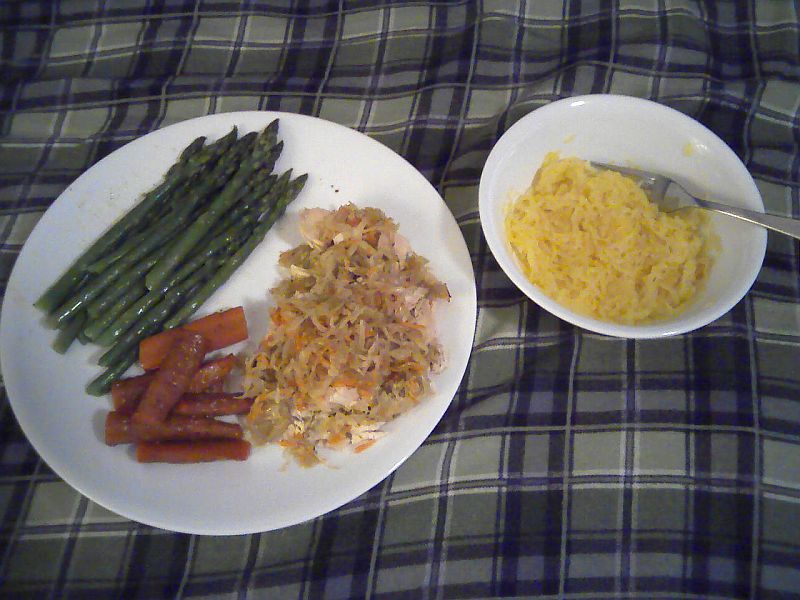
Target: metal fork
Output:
[(670, 195)]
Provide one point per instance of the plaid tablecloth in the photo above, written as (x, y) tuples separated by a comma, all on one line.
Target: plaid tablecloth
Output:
[(569, 464)]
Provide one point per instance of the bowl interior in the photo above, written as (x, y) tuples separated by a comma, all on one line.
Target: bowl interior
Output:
[(635, 132)]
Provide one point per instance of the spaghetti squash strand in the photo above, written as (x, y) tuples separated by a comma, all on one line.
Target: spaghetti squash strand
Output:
[(594, 242)]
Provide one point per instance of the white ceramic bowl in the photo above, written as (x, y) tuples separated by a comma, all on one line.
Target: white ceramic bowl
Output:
[(630, 131)]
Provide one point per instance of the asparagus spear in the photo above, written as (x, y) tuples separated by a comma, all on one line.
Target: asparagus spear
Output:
[(99, 307), (226, 236), (82, 338), (100, 324), (192, 195), (129, 318), (248, 209), (171, 223), (67, 335), (59, 290), (227, 269), (265, 153), (103, 382), (153, 318)]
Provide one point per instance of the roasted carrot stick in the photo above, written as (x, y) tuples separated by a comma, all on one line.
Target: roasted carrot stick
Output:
[(182, 427), (217, 386), (211, 404), (121, 430), (220, 329), (126, 393), (212, 372), (171, 381), (118, 429), (192, 452)]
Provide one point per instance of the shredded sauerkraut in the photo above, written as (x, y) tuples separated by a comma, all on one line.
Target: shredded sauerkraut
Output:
[(351, 343)]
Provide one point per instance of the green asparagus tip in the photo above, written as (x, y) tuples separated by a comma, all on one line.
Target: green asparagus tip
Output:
[(190, 150), (229, 137), (247, 138), (276, 150)]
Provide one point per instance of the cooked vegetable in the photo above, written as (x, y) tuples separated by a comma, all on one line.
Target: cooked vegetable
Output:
[(120, 429), (135, 221), (172, 223), (102, 383), (264, 155), (112, 298), (126, 393), (227, 236), (58, 292), (155, 267), (69, 332), (152, 320), (351, 343), (193, 273), (204, 293), (105, 309), (219, 330), (212, 372), (212, 404), (183, 427), (214, 168), (169, 425), (217, 386), (172, 380), (192, 452)]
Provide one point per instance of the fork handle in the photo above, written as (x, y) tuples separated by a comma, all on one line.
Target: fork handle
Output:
[(785, 225)]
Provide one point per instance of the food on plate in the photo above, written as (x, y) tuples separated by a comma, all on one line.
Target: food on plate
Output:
[(212, 404), (126, 393), (192, 452), (219, 329), (121, 429), (179, 401), (154, 268), (594, 242), (352, 339), (171, 380)]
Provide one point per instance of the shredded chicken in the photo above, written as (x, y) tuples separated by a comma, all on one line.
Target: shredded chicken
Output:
[(351, 343)]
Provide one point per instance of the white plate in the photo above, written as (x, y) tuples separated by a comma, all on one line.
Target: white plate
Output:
[(64, 424), (629, 131)]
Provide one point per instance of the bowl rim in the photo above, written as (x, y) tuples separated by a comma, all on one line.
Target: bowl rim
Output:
[(496, 241)]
